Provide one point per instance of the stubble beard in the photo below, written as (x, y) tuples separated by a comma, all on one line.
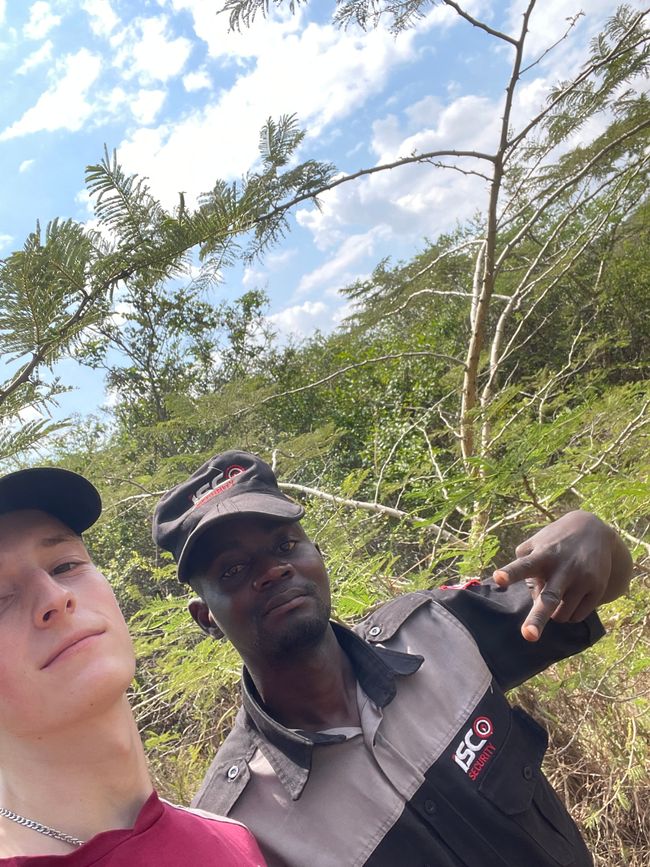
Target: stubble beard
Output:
[(298, 634)]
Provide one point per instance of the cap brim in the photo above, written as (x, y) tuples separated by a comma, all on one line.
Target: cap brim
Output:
[(68, 496), (252, 503)]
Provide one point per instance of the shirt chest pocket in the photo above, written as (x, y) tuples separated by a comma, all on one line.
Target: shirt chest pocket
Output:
[(515, 785)]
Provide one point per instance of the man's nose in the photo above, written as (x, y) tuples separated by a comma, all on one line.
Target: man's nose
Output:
[(52, 600), (271, 570)]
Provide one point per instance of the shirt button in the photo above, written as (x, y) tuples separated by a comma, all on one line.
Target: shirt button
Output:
[(233, 772), (430, 807), (527, 771), (374, 631)]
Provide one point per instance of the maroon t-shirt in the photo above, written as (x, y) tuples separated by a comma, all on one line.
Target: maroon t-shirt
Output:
[(163, 836)]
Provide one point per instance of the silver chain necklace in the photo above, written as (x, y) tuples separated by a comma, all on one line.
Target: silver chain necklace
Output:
[(42, 829)]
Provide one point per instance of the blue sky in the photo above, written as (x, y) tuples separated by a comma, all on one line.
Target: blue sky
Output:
[(182, 100)]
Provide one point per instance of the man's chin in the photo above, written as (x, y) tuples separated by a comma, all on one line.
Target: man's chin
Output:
[(297, 634)]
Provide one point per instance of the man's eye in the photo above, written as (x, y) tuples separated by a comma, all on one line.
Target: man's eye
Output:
[(62, 568), (233, 570), (287, 545)]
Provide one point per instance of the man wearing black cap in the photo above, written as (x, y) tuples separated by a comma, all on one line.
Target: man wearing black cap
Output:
[(392, 744), (74, 785)]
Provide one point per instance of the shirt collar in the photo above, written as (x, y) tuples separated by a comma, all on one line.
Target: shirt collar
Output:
[(288, 752)]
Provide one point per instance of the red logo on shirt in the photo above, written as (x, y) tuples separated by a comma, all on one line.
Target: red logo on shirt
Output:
[(476, 749)]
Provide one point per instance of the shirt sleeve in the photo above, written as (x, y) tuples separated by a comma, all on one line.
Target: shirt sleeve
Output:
[(494, 615)]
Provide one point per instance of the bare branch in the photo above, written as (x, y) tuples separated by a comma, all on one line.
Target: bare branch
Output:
[(572, 23), (535, 500), (480, 24), (376, 508), (570, 182), (639, 421), (467, 172), (525, 288), (450, 292)]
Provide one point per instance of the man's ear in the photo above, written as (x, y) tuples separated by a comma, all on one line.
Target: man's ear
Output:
[(202, 616)]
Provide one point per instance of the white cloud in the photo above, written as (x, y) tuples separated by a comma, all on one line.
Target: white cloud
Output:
[(337, 271), (238, 45), (252, 277), (103, 19), (421, 200), (199, 80), (41, 20), (144, 49), (302, 319), (5, 240), (112, 398), (146, 104), (25, 165), (122, 311), (275, 261), (36, 58), (83, 199), (64, 104), (345, 69)]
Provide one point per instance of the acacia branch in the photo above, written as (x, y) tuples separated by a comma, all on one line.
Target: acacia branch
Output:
[(570, 182), (344, 179), (39, 355), (573, 85), (457, 293), (639, 421), (376, 508), (415, 425), (479, 24), (534, 499), (497, 357)]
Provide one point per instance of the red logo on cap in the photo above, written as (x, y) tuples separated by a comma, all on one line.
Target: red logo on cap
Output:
[(220, 483)]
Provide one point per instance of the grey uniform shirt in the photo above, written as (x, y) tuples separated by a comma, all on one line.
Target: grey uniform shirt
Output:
[(446, 772)]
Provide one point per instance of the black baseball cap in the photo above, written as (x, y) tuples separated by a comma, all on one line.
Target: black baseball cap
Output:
[(68, 496), (232, 483)]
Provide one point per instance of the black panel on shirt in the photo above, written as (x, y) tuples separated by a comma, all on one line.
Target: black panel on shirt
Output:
[(493, 809), (493, 615)]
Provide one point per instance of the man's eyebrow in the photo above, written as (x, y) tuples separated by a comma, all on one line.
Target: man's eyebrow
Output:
[(51, 541)]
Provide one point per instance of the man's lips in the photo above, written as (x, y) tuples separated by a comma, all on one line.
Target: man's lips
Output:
[(282, 598), (70, 641)]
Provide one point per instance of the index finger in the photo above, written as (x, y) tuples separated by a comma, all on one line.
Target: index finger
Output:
[(528, 566)]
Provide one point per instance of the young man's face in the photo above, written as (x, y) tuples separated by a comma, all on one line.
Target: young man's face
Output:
[(266, 586), (65, 651)]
